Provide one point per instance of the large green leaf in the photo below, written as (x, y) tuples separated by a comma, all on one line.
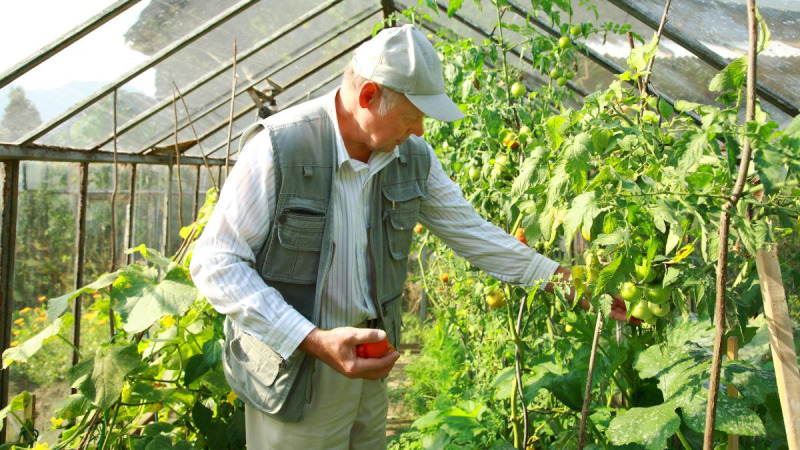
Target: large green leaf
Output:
[(58, 305), (22, 352), (769, 165), (754, 384), (148, 299), (109, 367), (734, 416), (647, 426)]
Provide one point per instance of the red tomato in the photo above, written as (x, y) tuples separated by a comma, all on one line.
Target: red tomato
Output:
[(374, 349)]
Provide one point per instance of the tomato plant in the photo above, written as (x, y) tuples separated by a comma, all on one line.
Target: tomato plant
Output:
[(642, 181)]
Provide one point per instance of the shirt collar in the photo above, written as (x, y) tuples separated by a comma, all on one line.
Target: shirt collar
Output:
[(341, 152)]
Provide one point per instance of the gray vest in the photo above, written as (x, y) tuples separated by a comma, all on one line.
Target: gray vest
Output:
[(298, 251)]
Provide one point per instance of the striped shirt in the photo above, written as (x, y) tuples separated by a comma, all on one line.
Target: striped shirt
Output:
[(224, 257)]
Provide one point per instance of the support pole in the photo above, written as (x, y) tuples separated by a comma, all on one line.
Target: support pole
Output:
[(10, 177), (80, 240), (781, 341), (129, 228), (733, 353)]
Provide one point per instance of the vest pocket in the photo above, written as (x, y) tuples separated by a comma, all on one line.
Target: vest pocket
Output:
[(401, 210), (294, 251)]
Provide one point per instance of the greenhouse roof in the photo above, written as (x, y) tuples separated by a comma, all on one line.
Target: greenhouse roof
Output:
[(161, 61)]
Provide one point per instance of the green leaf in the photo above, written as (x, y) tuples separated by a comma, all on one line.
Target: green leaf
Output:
[(647, 426), (663, 214), (58, 305), (754, 384), (453, 6), (770, 167), (763, 34), (18, 403), (614, 238), (608, 274), (149, 301), (576, 157), (671, 275), (111, 364), (212, 352), (642, 54), (195, 368), (22, 352), (734, 416), (731, 78), (552, 131), (583, 210), (73, 406), (694, 152)]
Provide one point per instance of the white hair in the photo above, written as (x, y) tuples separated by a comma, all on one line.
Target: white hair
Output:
[(389, 98)]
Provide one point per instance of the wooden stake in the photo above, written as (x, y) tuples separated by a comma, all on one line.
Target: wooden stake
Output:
[(781, 342), (733, 353)]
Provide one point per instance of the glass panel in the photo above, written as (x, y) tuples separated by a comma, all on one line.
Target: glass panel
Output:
[(778, 65), (77, 71), (48, 194)]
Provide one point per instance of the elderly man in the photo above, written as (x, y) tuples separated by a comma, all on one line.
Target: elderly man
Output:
[(306, 251)]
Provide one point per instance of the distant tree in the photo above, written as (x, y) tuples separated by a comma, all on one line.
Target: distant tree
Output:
[(20, 116)]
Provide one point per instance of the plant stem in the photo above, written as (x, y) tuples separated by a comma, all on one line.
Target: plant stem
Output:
[(719, 311), (503, 52), (683, 439), (587, 393)]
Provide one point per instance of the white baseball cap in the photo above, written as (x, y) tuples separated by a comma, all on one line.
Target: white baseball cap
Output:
[(404, 60)]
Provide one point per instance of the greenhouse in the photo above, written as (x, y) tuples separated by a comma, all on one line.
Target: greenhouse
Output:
[(607, 255)]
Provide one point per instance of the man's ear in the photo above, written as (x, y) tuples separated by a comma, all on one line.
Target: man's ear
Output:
[(367, 94)]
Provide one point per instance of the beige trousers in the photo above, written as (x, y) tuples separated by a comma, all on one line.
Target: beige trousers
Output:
[(343, 414)]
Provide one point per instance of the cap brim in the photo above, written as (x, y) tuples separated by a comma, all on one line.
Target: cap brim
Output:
[(438, 106)]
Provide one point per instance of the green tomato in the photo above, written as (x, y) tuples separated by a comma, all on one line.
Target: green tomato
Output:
[(474, 173), (518, 89), (561, 81), (524, 130), (501, 159), (564, 42), (568, 328), (659, 310), (555, 72), (569, 74), (657, 294), (629, 292), (641, 311), (575, 30)]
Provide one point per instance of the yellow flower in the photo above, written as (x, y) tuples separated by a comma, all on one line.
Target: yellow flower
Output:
[(41, 446), (90, 315), (231, 397), (97, 295), (168, 321), (24, 310), (42, 298), (14, 343), (15, 332), (41, 319), (20, 321), (56, 421), (36, 309)]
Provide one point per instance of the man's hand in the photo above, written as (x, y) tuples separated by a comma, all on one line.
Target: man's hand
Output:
[(337, 348), (618, 309)]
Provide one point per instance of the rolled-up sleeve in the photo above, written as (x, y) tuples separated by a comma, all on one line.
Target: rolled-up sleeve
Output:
[(223, 262), (454, 220)]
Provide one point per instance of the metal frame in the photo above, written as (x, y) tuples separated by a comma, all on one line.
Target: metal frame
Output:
[(224, 99), (157, 58), (11, 152), (221, 69), (7, 254)]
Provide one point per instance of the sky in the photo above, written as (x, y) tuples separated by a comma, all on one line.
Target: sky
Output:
[(28, 25)]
